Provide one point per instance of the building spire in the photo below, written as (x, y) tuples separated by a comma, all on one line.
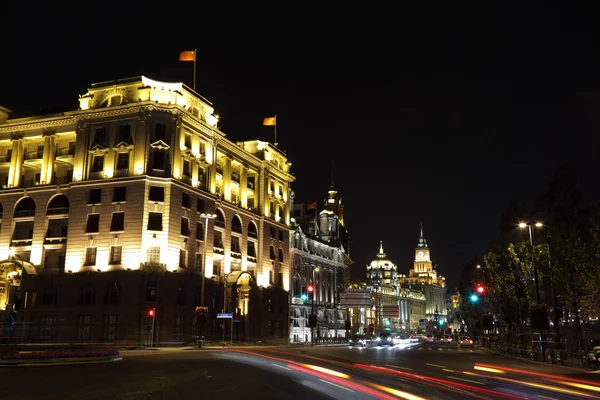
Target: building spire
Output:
[(381, 254), (422, 241)]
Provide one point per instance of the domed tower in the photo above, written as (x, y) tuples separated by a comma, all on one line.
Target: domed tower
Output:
[(382, 274), (331, 221)]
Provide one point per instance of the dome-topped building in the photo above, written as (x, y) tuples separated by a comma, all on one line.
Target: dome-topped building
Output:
[(382, 274)]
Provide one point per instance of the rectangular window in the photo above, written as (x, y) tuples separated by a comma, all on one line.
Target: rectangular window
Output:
[(115, 254), (155, 221), (84, 327), (93, 223), (251, 249), (187, 169), (280, 234), (200, 206), (185, 227), (111, 327), (188, 140), (117, 223), (90, 256), (119, 194), (199, 231), (182, 258), (122, 161), (158, 159), (198, 261), (161, 132), (185, 200), (95, 196), (235, 244), (153, 255), (218, 242), (217, 268), (271, 252), (100, 137), (156, 193), (97, 164), (124, 134)]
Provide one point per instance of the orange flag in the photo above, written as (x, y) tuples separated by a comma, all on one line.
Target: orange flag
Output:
[(269, 121), (187, 55)]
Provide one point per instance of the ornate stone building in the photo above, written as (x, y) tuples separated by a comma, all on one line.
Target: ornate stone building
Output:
[(424, 277), (396, 309), (319, 258), (137, 201)]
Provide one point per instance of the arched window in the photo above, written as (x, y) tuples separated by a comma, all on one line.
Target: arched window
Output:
[(58, 205), (236, 224), (220, 219), (24, 208), (252, 232), (280, 255)]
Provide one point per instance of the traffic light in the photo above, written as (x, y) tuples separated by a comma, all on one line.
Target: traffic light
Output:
[(480, 289), (151, 312), (304, 295), (474, 298), (310, 291)]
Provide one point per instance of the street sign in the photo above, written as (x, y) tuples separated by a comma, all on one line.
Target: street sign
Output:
[(224, 315)]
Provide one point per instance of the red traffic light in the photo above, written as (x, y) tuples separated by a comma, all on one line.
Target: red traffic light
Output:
[(151, 312), (310, 288), (480, 289)]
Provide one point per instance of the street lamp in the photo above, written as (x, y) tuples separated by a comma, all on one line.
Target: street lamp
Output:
[(312, 333), (535, 276), (206, 218)]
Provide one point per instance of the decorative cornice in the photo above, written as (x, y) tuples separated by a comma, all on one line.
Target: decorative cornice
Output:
[(10, 127)]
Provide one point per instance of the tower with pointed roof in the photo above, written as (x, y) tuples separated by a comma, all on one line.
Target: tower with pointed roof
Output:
[(382, 273)]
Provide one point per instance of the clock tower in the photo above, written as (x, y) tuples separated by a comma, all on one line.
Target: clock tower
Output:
[(422, 263)]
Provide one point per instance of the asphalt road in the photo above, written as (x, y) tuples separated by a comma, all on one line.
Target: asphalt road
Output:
[(415, 372)]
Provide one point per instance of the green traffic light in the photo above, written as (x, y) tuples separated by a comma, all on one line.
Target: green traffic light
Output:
[(304, 296), (474, 298)]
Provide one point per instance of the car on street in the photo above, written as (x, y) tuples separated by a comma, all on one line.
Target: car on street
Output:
[(358, 340), (385, 339), (446, 339), (465, 341)]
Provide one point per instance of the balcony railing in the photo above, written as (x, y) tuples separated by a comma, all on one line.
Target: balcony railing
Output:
[(29, 182), (235, 177), (219, 169), (61, 180), (5, 158), (34, 155), (65, 152)]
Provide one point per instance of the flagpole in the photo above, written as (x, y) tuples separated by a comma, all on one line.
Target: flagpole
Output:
[(275, 127), (195, 54)]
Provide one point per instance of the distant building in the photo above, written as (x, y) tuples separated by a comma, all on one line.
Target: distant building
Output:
[(452, 308), (423, 276), (318, 259), (136, 202)]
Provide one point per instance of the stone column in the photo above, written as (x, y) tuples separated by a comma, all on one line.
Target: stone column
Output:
[(227, 178), (244, 186), (16, 163)]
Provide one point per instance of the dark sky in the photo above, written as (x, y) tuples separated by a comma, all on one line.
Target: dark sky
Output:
[(439, 123)]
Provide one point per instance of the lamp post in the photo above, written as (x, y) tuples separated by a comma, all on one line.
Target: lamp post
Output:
[(206, 218), (315, 329), (535, 275)]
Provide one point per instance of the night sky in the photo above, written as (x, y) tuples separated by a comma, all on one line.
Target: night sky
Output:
[(442, 126)]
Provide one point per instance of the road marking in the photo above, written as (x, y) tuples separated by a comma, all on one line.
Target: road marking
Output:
[(447, 370), (462, 379), (395, 366), (333, 384), (547, 397), (435, 365), (420, 348), (281, 366)]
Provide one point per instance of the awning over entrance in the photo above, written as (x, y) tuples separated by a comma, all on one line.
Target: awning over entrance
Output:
[(15, 265)]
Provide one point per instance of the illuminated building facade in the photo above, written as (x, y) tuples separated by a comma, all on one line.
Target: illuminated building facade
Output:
[(396, 309), (318, 258), (125, 204), (425, 277)]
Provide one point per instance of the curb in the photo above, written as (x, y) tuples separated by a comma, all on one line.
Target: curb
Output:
[(58, 361), (567, 367)]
